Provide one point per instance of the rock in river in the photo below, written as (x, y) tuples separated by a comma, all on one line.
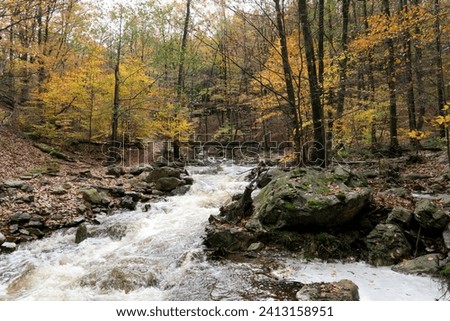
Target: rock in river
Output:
[(387, 245), (306, 198)]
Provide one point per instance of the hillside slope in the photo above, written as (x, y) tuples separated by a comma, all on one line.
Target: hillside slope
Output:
[(17, 154)]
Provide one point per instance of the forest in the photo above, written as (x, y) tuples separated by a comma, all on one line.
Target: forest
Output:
[(331, 77)]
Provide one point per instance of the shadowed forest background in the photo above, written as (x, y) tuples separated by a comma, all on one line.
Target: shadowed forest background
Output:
[(344, 75)]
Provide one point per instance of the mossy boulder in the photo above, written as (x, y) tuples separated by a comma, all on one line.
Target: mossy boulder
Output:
[(387, 245), (306, 198), (423, 264), (430, 216), (94, 197)]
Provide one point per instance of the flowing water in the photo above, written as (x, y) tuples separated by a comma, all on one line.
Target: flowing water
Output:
[(158, 255)]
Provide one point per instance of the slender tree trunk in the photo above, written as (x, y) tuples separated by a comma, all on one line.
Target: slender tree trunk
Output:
[(343, 61), (180, 80), (184, 38), (370, 55), (411, 103), (113, 151), (390, 73), (439, 67), (320, 43), (419, 78), (319, 152), (292, 111)]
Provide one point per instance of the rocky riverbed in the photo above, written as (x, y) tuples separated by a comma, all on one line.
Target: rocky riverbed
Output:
[(46, 199)]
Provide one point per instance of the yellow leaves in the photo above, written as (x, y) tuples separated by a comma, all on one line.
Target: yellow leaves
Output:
[(417, 21), (418, 134), (442, 120)]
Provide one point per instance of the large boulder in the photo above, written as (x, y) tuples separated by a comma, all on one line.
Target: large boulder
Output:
[(115, 170), (387, 245), (168, 184), (431, 217), (94, 197), (422, 264), (228, 239), (344, 290), (400, 216), (158, 173), (306, 198)]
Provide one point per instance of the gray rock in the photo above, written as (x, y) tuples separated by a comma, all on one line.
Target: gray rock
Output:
[(117, 191), (20, 217), (14, 228), (115, 171), (9, 246), (81, 234), (188, 180), (344, 290), (27, 188), (24, 231), (94, 197), (28, 198), (446, 201), (162, 172), (446, 237), (35, 223), (78, 220), (136, 171), (400, 216), (13, 184), (134, 196), (81, 209), (168, 184), (58, 190), (387, 245), (396, 191), (422, 264), (228, 240), (128, 203), (257, 246), (146, 207), (303, 199), (430, 216), (2, 238), (36, 232)]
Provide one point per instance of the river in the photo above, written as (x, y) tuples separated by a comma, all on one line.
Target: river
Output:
[(158, 255)]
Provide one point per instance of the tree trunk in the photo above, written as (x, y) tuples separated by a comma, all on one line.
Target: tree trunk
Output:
[(409, 77), (439, 67), (180, 80), (113, 155), (292, 111), (320, 44), (390, 73), (343, 60), (319, 150)]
